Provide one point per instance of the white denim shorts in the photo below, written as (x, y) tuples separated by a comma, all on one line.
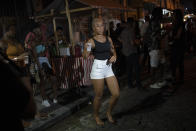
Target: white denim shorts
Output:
[(100, 70), (154, 58)]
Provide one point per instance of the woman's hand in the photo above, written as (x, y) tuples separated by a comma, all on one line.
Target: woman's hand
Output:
[(112, 59), (88, 46)]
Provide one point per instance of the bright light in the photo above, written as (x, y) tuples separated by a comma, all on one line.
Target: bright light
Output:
[(161, 25), (165, 11), (189, 16), (169, 14)]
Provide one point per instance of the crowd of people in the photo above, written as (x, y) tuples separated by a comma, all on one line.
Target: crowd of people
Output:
[(126, 52), (131, 48), (24, 66), (152, 47)]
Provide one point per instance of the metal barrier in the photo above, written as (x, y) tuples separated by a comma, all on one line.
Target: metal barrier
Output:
[(73, 71)]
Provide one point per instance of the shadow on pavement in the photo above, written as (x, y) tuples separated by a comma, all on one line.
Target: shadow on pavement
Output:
[(150, 103)]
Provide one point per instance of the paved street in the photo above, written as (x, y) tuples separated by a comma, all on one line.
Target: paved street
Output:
[(154, 110)]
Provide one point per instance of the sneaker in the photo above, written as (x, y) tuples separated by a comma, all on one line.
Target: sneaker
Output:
[(45, 103), (55, 101), (155, 86), (161, 84)]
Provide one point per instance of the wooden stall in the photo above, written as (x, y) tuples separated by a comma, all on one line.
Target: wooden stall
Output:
[(75, 71)]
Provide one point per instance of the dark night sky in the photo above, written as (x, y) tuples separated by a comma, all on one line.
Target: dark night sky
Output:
[(8, 7), (188, 3)]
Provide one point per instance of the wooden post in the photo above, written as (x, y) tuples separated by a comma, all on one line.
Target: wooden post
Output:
[(55, 33), (99, 12), (64, 12), (77, 10), (70, 26), (125, 12), (56, 36), (108, 23)]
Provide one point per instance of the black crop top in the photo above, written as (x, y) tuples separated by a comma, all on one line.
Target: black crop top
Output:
[(102, 50)]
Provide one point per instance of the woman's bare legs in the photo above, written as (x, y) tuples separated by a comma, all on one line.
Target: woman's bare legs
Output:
[(53, 81), (42, 89), (114, 89), (98, 85)]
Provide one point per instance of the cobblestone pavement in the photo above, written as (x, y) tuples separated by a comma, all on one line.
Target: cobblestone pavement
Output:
[(153, 110)]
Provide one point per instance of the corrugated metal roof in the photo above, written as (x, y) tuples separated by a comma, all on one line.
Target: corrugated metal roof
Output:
[(110, 4)]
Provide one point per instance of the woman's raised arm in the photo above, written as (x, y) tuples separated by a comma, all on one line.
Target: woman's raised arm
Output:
[(88, 46)]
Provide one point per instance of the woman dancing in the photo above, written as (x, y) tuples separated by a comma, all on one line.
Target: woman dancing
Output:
[(102, 48)]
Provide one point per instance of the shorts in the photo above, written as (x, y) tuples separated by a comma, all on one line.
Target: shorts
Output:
[(44, 60), (100, 70), (45, 65), (154, 58)]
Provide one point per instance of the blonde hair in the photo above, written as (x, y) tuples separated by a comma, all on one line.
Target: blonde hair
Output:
[(95, 20)]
